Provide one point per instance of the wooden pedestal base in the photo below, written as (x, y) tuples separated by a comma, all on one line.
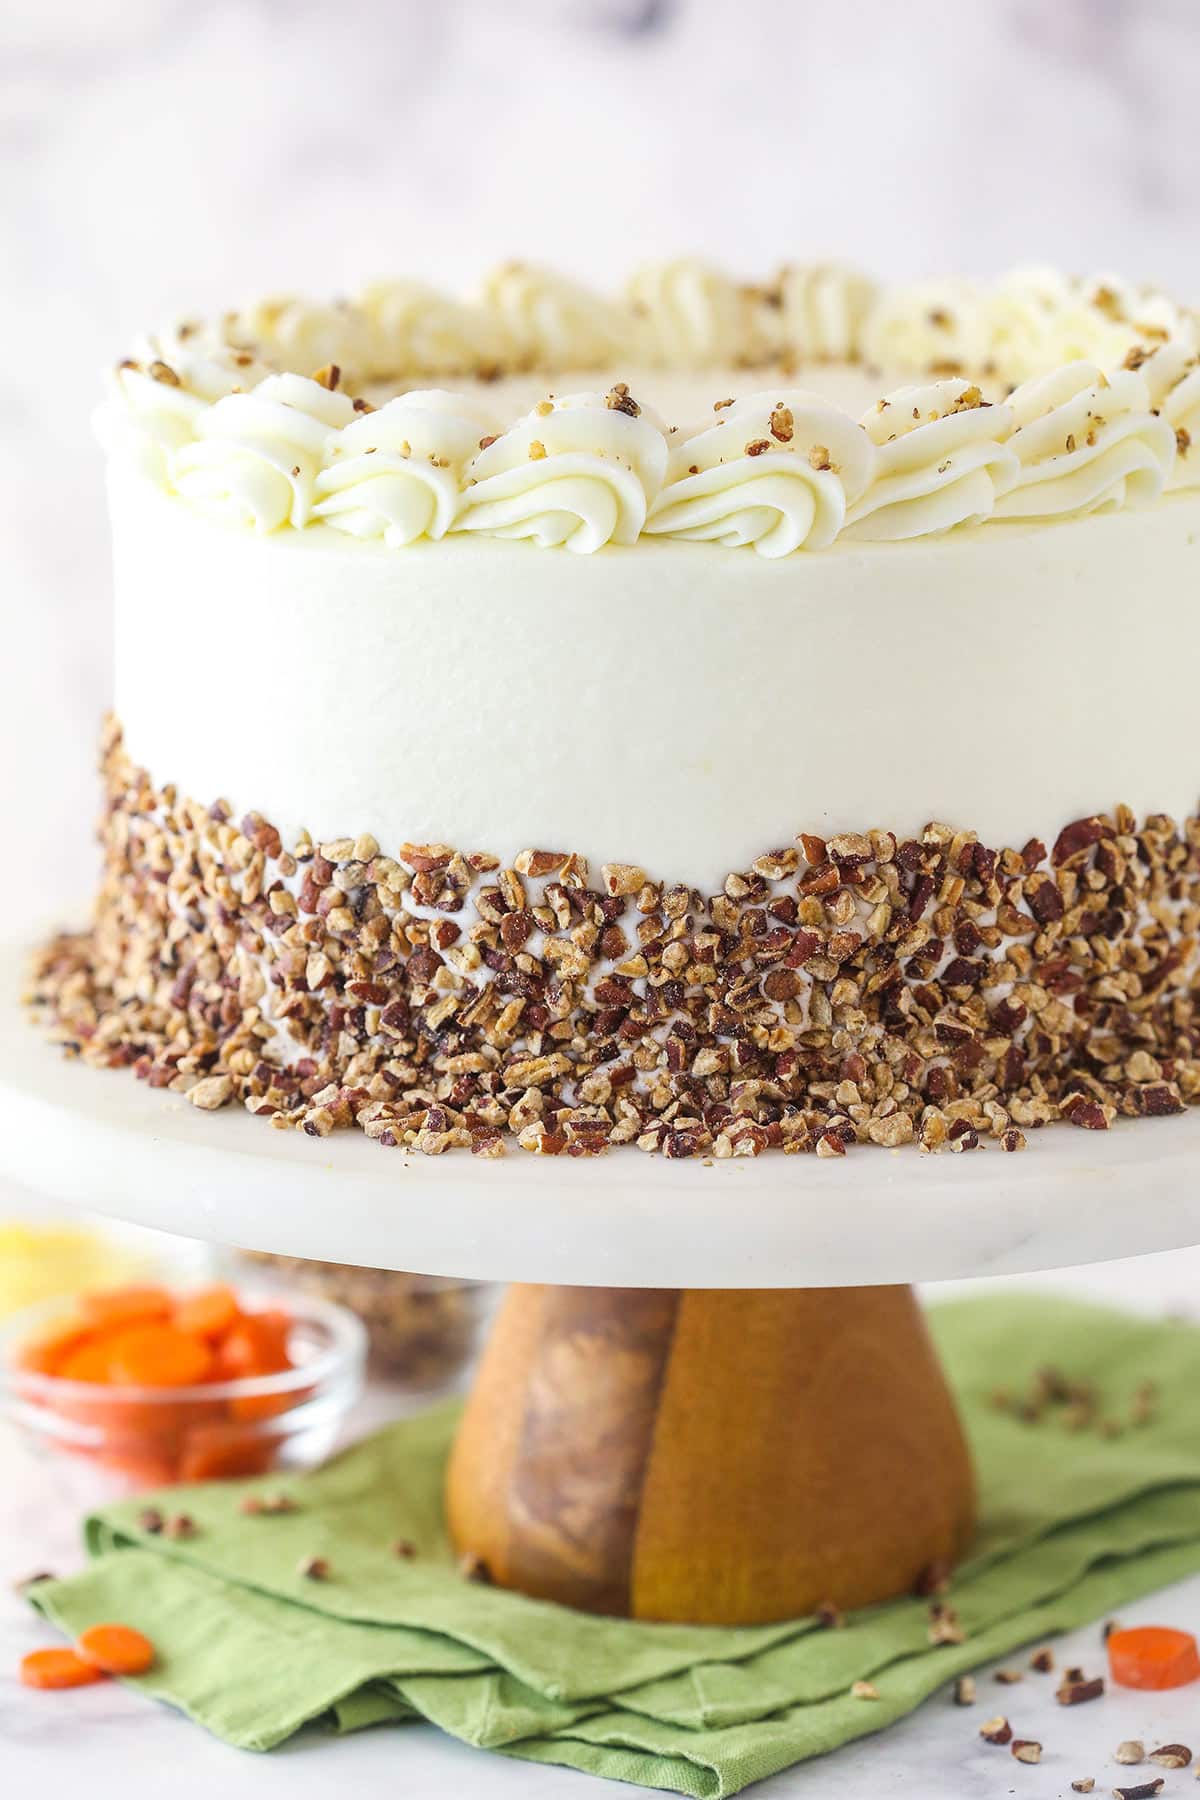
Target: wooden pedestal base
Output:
[(717, 1456)]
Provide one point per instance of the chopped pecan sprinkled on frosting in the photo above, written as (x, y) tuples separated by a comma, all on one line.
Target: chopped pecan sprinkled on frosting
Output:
[(619, 399), (841, 992), (399, 337)]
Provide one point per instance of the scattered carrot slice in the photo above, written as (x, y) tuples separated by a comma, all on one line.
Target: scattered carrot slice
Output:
[(1153, 1656), (104, 1308), (210, 1313), (57, 1668), (157, 1355), (115, 1649)]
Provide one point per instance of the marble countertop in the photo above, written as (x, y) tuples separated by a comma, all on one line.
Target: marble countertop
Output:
[(126, 1748)]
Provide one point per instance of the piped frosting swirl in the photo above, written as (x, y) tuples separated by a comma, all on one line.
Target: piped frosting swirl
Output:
[(1172, 375), (208, 412), (1084, 440), (580, 471), (396, 473), (776, 471), (256, 456), (942, 462)]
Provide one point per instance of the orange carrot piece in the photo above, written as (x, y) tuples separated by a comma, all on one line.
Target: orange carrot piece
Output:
[(115, 1649), (105, 1308), (256, 1345), (259, 1347), (139, 1470), (1153, 1656), (91, 1361), (249, 1409), (213, 1452), (46, 1350), (57, 1668), (210, 1313), (157, 1355)]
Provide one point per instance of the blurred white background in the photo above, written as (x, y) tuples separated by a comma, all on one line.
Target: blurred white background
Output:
[(165, 156)]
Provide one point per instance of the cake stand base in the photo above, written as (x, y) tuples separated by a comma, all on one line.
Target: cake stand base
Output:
[(711, 1456)]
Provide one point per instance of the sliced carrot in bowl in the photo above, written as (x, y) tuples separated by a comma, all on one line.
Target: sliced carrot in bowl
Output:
[(256, 1345), (103, 1308), (158, 1355), (48, 1349), (210, 1313), (214, 1452)]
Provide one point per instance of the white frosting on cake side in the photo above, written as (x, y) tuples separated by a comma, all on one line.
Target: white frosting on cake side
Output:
[(683, 708)]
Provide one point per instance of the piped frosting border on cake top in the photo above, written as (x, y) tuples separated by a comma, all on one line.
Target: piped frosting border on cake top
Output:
[(250, 419)]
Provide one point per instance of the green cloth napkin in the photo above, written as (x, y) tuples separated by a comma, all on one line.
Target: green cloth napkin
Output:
[(1074, 1525)]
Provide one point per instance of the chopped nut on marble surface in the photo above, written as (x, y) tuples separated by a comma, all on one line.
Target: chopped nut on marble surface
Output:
[(1171, 1756), (1075, 1693)]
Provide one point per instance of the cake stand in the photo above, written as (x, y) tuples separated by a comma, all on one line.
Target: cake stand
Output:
[(710, 1395)]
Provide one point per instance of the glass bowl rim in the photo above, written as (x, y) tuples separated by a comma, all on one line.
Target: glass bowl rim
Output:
[(345, 1352)]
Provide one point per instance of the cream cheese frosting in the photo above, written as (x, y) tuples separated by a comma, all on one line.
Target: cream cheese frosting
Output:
[(225, 428), (676, 708), (775, 473), (942, 462), (446, 813), (396, 473), (256, 456), (579, 471)]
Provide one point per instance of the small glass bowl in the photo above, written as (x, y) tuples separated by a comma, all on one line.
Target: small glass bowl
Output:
[(423, 1331), (146, 1437)]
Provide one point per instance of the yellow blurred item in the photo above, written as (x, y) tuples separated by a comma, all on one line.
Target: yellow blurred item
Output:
[(39, 1262)]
